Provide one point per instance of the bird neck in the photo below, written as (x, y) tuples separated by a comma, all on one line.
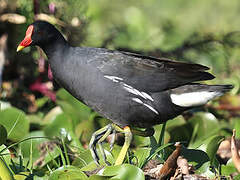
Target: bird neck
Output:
[(57, 45)]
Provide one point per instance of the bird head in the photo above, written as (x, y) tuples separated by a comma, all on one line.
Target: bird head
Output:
[(39, 33)]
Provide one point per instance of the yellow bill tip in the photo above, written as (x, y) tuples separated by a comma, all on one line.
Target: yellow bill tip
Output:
[(19, 48)]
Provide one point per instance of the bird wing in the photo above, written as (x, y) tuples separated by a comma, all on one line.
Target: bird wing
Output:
[(148, 73)]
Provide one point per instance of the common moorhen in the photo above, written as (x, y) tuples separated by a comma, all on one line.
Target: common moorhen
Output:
[(131, 90)]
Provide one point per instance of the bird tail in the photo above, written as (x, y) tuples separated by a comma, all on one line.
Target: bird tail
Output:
[(197, 94)]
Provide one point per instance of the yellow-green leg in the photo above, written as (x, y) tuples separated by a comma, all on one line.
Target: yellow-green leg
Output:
[(94, 140), (100, 141), (100, 135), (127, 142)]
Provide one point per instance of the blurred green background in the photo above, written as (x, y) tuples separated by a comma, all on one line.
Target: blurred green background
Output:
[(198, 31)]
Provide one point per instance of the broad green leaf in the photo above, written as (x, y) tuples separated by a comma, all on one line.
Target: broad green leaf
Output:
[(60, 124), (237, 177), (195, 157), (227, 170), (5, 161), (5, 173), (205, 170), (180, 133), (141, 155), (98, 177), (77, 110), (177, 121), (210, 146), (84, 160), (124, 172), (85, 129), (16, 123), (35, 119), (68, 173), (21, 176), (207, 125)]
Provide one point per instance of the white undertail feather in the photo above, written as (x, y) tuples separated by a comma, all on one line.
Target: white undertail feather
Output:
[(193, 98)]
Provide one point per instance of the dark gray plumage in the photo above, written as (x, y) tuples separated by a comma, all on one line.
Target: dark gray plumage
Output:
[(129, 89)]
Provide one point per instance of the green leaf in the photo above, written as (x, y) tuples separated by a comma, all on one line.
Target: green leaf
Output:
[(228, 169), (84, 160), (180, 133), (76, 110), (237, 177), (199, 159), (124, 172), (195, 157), (34, 144), (210, 146), (141, 155), (16, 123), (68, 173), (60, 124), (98, 177), (5, 173), (207, 125), (21, 176)]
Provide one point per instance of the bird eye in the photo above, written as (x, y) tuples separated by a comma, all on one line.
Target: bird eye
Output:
[(40, 33)]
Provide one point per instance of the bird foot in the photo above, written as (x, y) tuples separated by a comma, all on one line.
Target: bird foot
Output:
[(100, 135)]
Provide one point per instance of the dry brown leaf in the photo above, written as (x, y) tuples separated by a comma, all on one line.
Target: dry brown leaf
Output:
[(49, 18), (13, 18), (170, 165), (183, 165)]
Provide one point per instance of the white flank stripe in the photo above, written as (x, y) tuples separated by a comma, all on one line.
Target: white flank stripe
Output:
[(137, 92), (147, 96), (148, 106), (151, 108), (193, 98), (131, 90), (137, 100), (114, 78)]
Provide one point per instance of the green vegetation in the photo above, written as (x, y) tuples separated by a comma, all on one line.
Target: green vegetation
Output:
[(44, 138)]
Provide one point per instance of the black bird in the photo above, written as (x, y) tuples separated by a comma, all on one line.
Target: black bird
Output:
[(130, 89)]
